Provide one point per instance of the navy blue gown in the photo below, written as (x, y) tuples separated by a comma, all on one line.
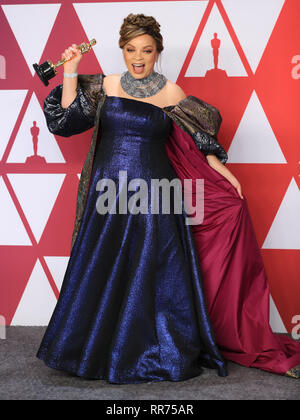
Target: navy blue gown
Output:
[(131, 307)]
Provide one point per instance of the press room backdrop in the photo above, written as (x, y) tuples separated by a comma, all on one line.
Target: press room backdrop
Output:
[(249, 70)]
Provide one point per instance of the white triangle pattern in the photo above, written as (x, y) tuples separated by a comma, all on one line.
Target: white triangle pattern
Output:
[(254, 140), (57, 267), (253, 22), (37, 194), (12, 231), (34, 20), (38, 301), (11, 102), (285, 230), (275, 319)]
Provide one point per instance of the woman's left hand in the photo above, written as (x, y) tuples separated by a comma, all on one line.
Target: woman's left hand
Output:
[(215, 163), (238, 187)]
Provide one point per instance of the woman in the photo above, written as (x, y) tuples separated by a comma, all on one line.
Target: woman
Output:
[(132, 307)]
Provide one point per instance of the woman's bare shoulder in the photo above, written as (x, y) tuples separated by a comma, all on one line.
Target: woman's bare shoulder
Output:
[(109, 78), (113, 75), (175, 92), (110, 82)]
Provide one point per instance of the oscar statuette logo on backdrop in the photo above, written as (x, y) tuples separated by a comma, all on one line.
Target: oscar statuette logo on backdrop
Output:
[(216, 71), (35, 158)]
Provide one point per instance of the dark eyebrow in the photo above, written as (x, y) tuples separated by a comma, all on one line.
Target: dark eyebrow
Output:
[(143, 47)]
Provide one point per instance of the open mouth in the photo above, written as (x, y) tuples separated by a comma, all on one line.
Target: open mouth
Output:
[(138, 68)]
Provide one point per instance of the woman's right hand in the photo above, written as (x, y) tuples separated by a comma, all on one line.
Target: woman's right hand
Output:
[(71, 66)]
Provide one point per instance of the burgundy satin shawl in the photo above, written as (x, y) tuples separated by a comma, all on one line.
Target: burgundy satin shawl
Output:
[(235, 281)]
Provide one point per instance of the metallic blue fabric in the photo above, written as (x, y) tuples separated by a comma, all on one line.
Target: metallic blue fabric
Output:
[(132, 307)]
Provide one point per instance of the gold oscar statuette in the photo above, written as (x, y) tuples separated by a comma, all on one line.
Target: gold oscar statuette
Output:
[(47, 70)]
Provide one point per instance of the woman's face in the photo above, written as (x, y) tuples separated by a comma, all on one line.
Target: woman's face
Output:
[(140, 50)]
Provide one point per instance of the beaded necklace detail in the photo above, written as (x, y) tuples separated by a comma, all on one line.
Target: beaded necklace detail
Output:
[(145, 87)]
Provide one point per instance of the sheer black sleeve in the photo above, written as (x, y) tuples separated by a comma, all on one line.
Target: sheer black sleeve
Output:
[(80, 114)]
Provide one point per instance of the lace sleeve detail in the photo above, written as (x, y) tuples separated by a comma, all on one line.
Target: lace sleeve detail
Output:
[(209, 146)]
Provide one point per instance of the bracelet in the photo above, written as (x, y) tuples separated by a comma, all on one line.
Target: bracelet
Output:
[(69, 75)]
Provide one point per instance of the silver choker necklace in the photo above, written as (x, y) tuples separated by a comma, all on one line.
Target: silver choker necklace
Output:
[(142, 88)]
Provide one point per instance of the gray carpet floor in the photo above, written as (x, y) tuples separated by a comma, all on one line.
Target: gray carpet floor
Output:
[(24, 377)]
